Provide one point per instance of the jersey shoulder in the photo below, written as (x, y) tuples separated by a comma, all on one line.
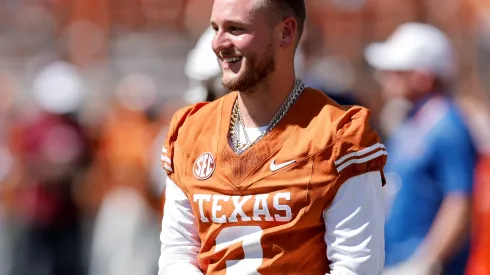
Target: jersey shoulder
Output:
[(358, 148), (355, 147), (319, 111), (188, 124)]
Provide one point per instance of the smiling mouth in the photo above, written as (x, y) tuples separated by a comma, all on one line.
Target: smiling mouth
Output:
[(231, 60)]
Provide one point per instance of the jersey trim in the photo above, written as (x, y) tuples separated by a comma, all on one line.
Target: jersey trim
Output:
[(370, 153), (167, 162)]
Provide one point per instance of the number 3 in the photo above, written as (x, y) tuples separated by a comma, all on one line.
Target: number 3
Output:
[(250, 237)]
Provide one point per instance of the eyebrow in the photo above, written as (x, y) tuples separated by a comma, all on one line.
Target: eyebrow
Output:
[(230, 22)]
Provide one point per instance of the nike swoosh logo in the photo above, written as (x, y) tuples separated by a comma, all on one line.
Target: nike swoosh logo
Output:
[(275, 167)]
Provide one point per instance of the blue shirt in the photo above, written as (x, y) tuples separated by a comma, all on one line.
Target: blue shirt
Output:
[(430, 156)]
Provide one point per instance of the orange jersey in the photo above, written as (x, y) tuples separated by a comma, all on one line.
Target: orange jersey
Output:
[(260, 212)]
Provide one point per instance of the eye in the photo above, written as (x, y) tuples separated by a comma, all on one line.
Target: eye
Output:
[(236, 30)]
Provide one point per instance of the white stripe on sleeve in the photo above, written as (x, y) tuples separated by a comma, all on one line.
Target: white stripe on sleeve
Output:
[(368, 154)]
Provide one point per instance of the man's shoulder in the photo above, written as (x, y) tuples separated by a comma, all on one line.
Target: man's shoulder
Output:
[(441, 118), (189, 124), (327, 119), (343, 136), (196, 115), (196, 112)]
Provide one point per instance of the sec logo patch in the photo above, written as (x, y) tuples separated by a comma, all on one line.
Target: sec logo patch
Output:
[(204, 166)]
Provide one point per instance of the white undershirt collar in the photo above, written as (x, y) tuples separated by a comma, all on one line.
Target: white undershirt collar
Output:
[(252, 132)]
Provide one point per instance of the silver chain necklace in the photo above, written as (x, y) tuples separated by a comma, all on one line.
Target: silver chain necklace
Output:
[(237, 122)]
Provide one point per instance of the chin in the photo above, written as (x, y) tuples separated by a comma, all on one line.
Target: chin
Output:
[(229, 80)]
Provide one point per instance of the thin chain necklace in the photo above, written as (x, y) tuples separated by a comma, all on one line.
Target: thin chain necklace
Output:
[(236, 121)]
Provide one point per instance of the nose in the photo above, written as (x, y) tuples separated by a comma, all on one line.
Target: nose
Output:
[(220, 42)]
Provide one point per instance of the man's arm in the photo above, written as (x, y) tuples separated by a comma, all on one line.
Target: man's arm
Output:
[(179, 236), (355, 227), (448, 232)]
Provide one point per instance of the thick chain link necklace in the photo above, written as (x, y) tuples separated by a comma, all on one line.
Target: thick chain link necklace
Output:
[(236, 123)]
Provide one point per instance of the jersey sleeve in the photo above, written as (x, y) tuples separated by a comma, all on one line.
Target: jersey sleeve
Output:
[(359, 148)]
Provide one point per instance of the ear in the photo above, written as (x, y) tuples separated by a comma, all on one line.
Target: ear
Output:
[(288, 32)]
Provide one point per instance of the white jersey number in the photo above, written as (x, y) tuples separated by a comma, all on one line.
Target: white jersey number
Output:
[(250, 237)]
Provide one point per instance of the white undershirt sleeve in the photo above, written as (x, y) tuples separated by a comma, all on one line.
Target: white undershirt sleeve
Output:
[(355, 227), (179, 236)]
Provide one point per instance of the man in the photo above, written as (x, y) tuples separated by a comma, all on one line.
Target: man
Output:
[(273, 178), (431, 154), (51, 154)]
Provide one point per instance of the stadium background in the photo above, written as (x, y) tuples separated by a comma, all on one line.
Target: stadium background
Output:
[(125, 59)]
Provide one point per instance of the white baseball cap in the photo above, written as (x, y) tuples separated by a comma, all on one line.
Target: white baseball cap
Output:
[(201, 66), (202, 63), (414, 46), (59, 88)]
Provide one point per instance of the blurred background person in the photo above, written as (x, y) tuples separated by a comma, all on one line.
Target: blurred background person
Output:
[(203, 71), (51, 153), (7, 92), (332, 74), (479, 263), (120, 190), (432, 156)]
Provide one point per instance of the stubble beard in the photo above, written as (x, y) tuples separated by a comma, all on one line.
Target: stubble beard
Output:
[(255, 71)]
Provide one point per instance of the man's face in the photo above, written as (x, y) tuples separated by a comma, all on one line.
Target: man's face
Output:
[(243, 43), (409, 85), (394, 84)]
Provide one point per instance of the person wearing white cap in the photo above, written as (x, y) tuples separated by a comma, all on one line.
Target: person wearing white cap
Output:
[(414, 47), (432, 156), (203, 71)]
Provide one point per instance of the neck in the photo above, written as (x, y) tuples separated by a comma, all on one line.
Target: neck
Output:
[(417, 97), (259, 105)]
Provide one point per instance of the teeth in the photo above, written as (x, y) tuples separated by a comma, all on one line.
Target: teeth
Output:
[(232, 59)]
